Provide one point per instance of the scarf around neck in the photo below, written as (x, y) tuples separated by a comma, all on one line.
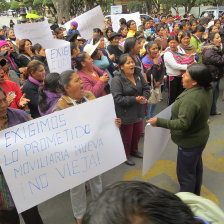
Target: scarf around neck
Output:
[(34, 81), (148, 62), (183, 59)]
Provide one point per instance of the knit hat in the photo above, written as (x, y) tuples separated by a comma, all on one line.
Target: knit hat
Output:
[(74, 23), (2, 43)]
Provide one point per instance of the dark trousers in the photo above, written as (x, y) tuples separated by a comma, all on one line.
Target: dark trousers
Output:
[(190, 169), (215, 90), (175, 88), (131, 134), (30, 216)]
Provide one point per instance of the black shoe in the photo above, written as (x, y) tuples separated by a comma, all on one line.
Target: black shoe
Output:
[(130, 162), (137, 154)]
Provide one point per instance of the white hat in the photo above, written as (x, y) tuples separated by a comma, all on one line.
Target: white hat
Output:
[(89, 48), (81, 38)]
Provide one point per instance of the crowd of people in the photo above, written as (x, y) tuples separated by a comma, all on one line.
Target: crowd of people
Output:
[(184, 55)]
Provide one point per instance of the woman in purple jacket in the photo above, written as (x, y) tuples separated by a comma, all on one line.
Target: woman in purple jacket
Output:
[(49, 94), (8, 214)]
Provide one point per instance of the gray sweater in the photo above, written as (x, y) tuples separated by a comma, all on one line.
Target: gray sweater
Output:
[(125, 92)]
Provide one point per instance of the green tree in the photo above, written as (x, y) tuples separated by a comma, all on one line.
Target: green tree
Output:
[(4, 6), (187, 4), (135, 6), (14, 5)]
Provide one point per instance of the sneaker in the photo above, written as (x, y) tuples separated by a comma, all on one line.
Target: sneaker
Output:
[(130, 162), (137, 154)]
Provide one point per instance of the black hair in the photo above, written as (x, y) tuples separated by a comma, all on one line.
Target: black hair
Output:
[(210, 28), (107, 30), (211, 36), (129, 44), (129, 23), (36, 47), (121, 28), (124, 201), (64, 80), (97, 30), (147, 20), (51, 84), (203, 21), (122, 60), (201, 74), (185, 23), (199, 28), (96, 39), (174, 37), (81, 57), (159, 28), (33, 66), (184, 34), (141, 39), (192, 21), (148, 46), (169, 16), (138, 34), (73, 46), (122, 21)]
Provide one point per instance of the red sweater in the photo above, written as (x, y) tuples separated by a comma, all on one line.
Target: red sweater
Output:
[(10, 86)]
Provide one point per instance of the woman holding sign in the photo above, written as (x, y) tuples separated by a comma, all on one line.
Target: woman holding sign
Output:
[(73, 94), (8, 214), (188, 125)]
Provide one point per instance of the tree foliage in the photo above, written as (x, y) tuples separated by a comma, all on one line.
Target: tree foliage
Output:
[(4, 6), (135, 6), (14, 5)]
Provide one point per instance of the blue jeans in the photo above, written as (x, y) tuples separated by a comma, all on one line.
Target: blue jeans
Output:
[(150, 111)]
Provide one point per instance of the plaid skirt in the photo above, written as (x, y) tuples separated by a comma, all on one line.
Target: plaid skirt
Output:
[(6, 201)]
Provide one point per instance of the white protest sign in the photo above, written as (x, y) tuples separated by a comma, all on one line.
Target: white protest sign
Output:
[(88, 21), (133, 16), (155, 141), (52, 154), (36, 32), (58, 55)]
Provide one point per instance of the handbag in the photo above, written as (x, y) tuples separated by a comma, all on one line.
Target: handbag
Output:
[(155, 93)]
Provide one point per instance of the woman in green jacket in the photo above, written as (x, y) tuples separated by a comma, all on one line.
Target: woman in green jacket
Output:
[(188, 125), (195, 40)]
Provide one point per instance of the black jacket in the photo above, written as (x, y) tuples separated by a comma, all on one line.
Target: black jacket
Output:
[(31, 91), (125, 92), (213, 57), (116, 51), (24, 60)]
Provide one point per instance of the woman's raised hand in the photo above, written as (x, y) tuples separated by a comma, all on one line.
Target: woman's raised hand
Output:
[(23, 101), (105, 78)]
